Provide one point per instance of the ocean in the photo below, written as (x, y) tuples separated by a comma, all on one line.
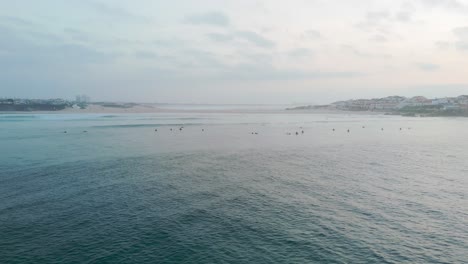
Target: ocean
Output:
[(233, 187)]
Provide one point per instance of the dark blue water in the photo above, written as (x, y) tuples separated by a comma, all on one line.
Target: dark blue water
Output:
[(123, 193)]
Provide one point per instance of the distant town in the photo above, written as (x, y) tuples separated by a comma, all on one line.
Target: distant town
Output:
[(15, 104), (399, 105), (80, 102)]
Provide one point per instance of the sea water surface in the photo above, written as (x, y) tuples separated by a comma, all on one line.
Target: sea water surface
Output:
[(391, 190)]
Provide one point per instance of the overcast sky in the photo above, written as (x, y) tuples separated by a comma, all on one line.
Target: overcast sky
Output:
[(233, 51)]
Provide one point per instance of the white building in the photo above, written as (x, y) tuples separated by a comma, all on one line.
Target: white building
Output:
[(462, 99), (440, 101), (82, 99), (415, 101)]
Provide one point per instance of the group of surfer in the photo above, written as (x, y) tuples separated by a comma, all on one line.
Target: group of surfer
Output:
[(84, 131), (180, 129), (296, 133), (256, 133), (380, 129)]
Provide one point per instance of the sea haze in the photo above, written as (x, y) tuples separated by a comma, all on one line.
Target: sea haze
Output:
[(112, 189)]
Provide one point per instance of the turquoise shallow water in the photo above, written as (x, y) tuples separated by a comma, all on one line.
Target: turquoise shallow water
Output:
[(123, 193)]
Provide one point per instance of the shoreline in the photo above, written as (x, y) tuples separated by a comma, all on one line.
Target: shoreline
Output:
[(155, 110), (149, 109)]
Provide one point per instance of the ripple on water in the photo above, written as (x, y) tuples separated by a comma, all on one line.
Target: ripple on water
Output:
[(330, 203)]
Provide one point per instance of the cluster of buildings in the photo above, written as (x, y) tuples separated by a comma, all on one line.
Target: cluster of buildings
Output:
[(17, 104), (400, 102), (82, 99), (15, 101)]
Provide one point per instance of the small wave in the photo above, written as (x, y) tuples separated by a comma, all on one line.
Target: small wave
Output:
[(16, 118), (145, 125), (123, 126), (173, 118), (13, 120)]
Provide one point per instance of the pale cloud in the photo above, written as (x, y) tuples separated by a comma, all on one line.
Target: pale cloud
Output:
[(254, 38), (220, 37), (15, 21), (379, 38), (210, 18), (462, 38), (462, 45), (173, 51), (114, 12), (250, 37), (429, 67), (443, 44), (76, 34), (144, 54), (355, 51), (254, 73), (312, 34), (300, 52), (461, 32), (403, 16), (201, 59), (454, 4), (374, 19), (382, 21)]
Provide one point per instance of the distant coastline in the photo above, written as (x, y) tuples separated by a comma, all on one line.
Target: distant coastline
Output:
[(399, 105), (392, 105), (60, 106)]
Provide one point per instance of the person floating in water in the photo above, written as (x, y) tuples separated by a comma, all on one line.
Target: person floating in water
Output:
[(297, 133), (348, 130), (302, 132), (156, 130)]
